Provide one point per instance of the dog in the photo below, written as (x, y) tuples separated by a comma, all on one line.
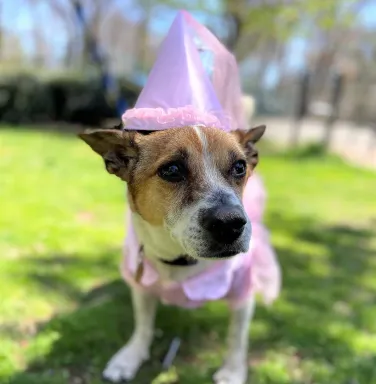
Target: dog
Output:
[(195, 230), (185, 190)]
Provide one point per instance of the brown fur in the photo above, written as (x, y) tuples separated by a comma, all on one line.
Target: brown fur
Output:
[(248, 139), (136, 158)]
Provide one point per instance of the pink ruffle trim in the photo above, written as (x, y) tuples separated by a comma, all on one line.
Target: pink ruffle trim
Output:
[(160, 119)]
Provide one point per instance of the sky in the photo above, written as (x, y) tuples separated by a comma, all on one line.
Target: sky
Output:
[(19, 17)]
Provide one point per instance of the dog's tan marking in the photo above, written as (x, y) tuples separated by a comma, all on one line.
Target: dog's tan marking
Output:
[(152, 196)]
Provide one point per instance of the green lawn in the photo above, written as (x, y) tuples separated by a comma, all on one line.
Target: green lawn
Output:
[(64, 310)]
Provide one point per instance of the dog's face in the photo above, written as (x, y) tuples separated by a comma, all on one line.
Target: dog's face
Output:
[(189, 180)]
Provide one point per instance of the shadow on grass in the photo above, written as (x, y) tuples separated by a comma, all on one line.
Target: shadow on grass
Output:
[(320, 324)]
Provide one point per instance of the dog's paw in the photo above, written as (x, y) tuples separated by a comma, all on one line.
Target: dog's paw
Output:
[(231, 374), (126, 363)]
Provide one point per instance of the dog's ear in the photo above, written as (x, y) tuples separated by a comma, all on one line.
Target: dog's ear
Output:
[(248, 139), (118, 149)]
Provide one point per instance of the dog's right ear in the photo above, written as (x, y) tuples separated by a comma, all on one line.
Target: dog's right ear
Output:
[(248, 139), (118, 149)]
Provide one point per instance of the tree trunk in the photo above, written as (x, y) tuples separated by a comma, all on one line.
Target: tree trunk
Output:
[(337, 92), (143, 37), (235, 30)]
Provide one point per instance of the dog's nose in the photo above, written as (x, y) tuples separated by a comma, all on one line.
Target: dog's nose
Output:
[(225, 224)]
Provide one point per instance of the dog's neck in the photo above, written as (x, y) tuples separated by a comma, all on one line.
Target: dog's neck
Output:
[(158, 245), (157, 241)]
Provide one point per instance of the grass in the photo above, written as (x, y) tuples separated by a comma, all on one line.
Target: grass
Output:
[(64, 309)]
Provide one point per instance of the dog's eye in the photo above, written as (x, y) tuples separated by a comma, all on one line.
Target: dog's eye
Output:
[(173, 172), (239, 169)]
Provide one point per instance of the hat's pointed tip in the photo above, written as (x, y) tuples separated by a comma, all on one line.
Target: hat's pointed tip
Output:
[(182, 12), (178, 91)]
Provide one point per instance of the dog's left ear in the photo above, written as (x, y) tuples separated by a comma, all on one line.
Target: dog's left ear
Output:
[(248, 139)]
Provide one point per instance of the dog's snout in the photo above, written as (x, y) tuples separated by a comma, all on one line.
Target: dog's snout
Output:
[(225, 224)]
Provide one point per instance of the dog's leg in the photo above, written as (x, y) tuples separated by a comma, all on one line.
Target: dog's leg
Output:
[(125, 364), (234, 370)]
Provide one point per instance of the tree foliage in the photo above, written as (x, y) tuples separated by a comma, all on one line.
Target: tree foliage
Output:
[(262, 21)]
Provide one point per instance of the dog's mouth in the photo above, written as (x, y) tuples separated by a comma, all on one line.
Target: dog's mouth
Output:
[(224, 253), (187, 261), (219, 255)]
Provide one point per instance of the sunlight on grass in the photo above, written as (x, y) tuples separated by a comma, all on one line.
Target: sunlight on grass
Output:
[(64, 309)]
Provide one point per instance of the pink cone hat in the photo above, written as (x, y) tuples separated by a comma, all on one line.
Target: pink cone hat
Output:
[(194, 81)]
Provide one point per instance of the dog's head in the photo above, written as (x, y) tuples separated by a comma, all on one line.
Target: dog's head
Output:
[(189, 180)]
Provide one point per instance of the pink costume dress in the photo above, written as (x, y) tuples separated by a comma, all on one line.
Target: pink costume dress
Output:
[(195, 81)]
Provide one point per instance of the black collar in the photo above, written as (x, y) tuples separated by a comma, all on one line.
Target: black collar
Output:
[(181, 261)]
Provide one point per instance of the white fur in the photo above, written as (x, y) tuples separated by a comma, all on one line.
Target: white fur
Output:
[(234, 369), (127, 361), (157, 241), (212, 177), (159, 244)]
